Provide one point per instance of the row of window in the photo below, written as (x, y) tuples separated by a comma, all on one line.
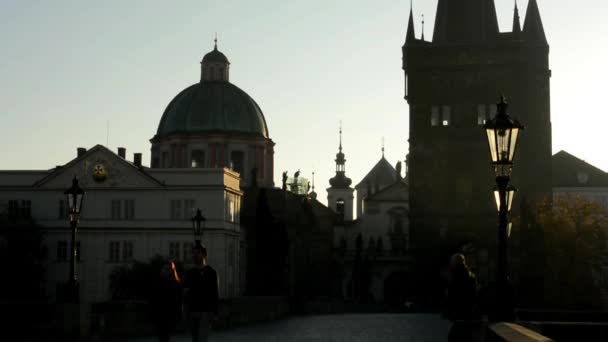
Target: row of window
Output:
[(125, 209), (198, 160), (122, 251), (441, 115), (19, 209), (216, 158), (62, 251)]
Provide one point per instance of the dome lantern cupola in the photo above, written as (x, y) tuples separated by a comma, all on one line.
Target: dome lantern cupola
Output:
[(215, 66), (340, 180)]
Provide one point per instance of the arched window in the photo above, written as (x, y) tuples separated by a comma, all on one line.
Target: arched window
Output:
[(340, 208)]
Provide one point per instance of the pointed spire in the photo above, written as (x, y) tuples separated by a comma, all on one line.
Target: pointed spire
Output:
[(215, 42), (422, 38), (410, 37), (340, 147), (382, 147), (533, 25), (516, 24)]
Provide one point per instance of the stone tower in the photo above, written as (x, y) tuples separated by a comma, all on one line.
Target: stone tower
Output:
[(451, 85)]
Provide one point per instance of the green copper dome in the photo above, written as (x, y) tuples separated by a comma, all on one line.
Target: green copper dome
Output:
[(212, 106)]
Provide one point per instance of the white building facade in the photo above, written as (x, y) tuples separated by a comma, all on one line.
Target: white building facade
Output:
[(130, 212)]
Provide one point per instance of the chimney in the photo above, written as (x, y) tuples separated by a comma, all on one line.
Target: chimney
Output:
[(80, 151), (137, 159), (122, 152)]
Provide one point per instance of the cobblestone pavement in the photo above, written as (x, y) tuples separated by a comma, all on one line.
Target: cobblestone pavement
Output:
[(326, 328)]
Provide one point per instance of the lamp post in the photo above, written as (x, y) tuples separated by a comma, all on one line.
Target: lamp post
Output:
[(503, 133), (197, 220), (75, 196)]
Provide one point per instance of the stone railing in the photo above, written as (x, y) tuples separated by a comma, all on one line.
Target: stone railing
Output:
[(510, 332)]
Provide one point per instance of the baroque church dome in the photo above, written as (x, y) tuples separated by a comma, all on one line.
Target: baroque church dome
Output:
[(214, 105)]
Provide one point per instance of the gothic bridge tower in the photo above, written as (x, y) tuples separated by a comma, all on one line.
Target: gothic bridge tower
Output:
[(451, 85)]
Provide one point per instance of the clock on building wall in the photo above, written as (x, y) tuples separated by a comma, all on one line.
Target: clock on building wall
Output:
[(99, 173)]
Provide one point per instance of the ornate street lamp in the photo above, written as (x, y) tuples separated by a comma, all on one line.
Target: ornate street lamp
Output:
[(75, 197), (503, 133), (197, 228)]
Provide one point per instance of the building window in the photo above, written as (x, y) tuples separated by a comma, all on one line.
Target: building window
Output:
[(189, 208), (164, 160), (62, 251), (116, 210), (484, 112), (114, 251), (406, 86), (446, 114), (441, 115), (434, 115), (197, 158), (187, 251), (340, 209), (176, 209), (13, 209), (237, 160), (127, 250), (174, 250), (129, 209), (63, 209), (26, 208)]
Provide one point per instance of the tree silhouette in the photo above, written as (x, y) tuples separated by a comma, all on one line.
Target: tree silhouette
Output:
[(575, 243)]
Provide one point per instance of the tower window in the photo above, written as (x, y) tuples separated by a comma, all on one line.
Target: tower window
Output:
[(434, 115), (441, 115), (340, 208), (446, 113), (483, 113)]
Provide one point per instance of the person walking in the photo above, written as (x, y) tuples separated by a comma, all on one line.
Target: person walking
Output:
[(201, 297), (461, 300), (166, 300)]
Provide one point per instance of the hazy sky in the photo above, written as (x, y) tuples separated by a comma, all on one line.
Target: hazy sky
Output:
[(69, 67)]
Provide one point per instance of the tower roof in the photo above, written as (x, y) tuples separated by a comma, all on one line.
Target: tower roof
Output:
[(533, 25), (382, 173), (466, 21), (410, 36)]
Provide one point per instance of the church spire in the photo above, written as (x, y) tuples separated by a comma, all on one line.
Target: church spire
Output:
[(516, 24), (340, 180), (410, 37), (533, 25), (422, 38)]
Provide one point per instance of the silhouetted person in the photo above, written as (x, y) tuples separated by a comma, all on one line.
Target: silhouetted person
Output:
[(461, 300), (166, 301), (201, 294)]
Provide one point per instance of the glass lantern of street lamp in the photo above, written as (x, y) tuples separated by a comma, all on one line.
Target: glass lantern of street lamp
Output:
[(503, 133), (510, 194), (198, 225), (75, 197)]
